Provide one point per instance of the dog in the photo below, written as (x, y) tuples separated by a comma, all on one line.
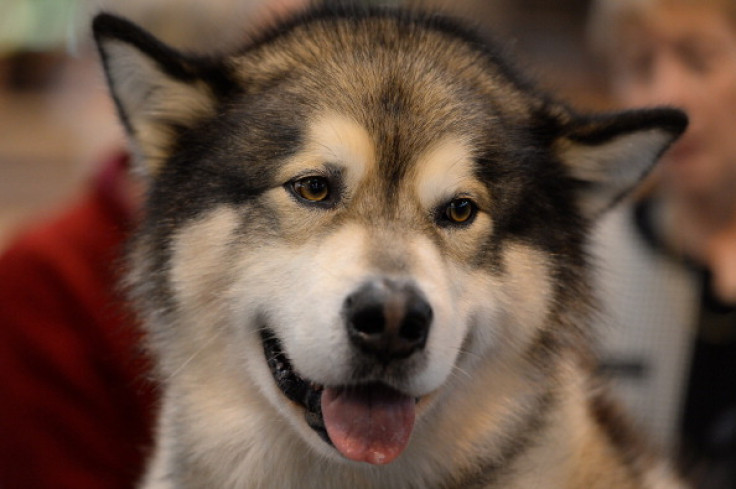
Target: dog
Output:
[(361, 262)]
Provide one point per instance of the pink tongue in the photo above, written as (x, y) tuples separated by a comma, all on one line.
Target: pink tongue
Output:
[(370, 423)]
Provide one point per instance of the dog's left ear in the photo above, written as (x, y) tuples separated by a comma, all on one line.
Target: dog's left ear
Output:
[(610, 154), (157, 90)]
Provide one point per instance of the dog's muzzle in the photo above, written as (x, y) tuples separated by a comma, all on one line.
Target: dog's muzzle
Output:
[(386, 322)]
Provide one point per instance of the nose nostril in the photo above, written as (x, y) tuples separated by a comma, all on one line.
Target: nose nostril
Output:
[(414, 327), (369, 321)]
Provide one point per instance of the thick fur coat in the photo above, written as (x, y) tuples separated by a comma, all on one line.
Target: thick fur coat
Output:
[(362, 259)]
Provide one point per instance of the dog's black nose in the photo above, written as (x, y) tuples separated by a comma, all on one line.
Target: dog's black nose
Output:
[(388, 319)]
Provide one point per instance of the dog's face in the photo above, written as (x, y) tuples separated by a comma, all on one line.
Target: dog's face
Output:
[(356, 212)]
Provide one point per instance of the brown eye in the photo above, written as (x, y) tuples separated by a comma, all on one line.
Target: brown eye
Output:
[(460, 211), (312, 189)]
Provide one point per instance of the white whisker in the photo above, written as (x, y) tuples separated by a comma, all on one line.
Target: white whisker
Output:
[(211, 339)]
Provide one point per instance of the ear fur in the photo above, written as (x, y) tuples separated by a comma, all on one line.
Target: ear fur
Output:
[(610, 154), (156, 89)]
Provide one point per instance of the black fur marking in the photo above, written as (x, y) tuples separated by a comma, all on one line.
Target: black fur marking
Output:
[(534, 201), (600, 129), (627, 443), (227, 160)]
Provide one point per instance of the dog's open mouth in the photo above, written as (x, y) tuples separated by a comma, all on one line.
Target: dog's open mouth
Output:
[(366, 423), (295, 388)]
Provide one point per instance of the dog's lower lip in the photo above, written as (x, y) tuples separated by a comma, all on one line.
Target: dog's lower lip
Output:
[(295, 388)]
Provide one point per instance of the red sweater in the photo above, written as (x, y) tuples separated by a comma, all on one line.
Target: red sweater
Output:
[(74, 400)]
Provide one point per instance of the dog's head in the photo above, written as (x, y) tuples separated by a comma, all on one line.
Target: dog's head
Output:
[(359, 209)]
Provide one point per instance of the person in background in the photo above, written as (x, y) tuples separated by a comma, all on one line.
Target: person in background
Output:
[(669, 254), (75, 404)]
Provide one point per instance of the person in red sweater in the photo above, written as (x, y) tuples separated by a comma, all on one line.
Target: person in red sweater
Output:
[(74, 396)]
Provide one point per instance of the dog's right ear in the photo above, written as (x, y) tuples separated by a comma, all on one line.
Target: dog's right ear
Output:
[(157, 90)]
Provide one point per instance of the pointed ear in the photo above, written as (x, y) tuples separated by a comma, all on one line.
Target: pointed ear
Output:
[(610, 154), (157, 90)]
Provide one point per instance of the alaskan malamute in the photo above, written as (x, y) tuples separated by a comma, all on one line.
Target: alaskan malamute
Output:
[(362, 261)]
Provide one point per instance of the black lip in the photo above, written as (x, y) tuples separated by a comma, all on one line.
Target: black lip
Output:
[(295, 388)]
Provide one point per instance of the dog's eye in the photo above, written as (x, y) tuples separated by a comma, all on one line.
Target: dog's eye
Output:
[(460, 211), (312, 189)]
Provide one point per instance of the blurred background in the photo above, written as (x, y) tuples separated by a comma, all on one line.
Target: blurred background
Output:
[(57, 123)]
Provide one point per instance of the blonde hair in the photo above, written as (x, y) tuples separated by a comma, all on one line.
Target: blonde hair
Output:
[(609, 19)]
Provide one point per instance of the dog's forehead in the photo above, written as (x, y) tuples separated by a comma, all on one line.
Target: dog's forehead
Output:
[(406, 77), (391, 92)]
